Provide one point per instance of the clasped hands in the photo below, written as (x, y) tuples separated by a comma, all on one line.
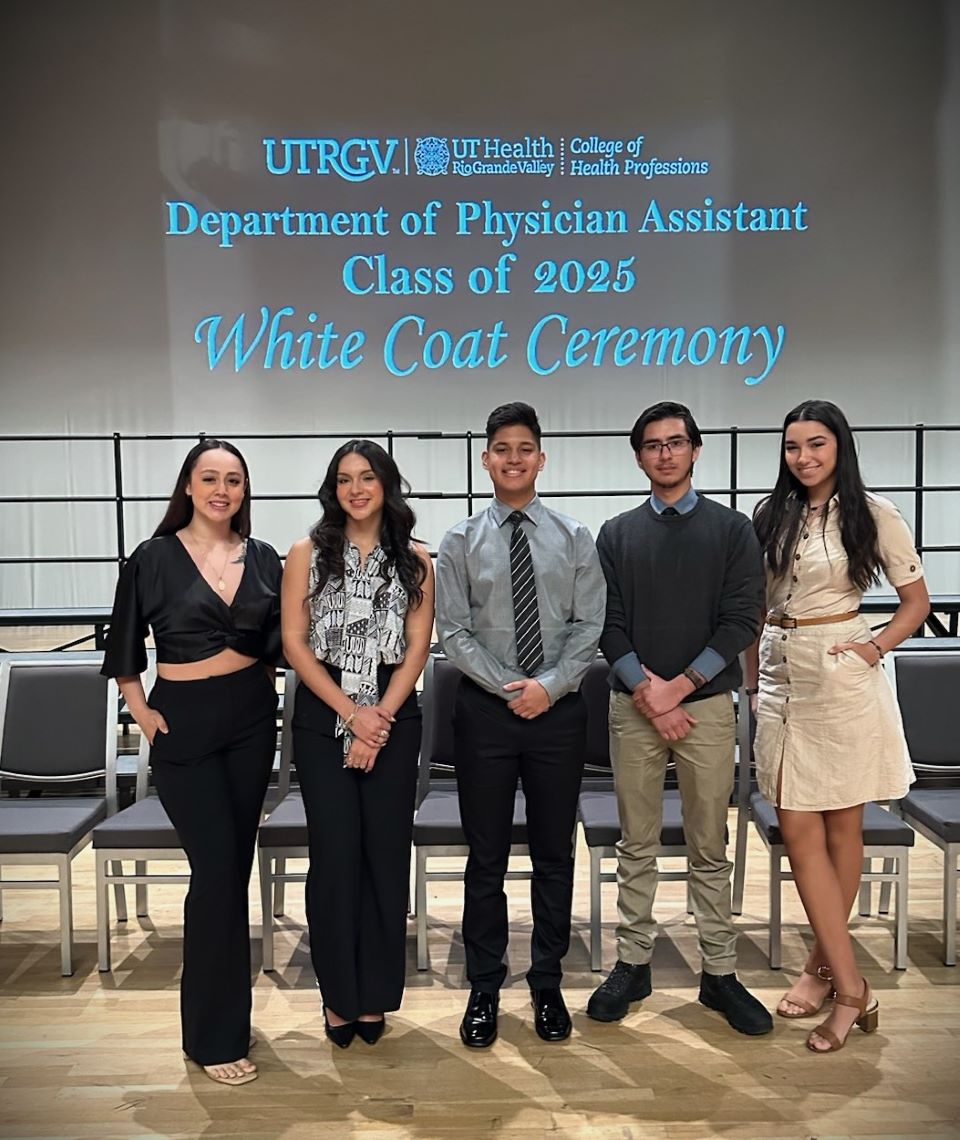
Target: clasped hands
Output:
[(659, 701), (371, 730), (532, 698)]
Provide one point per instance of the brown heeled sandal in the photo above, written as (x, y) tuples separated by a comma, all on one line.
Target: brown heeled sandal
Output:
[(809, 1009), (869, 1010)]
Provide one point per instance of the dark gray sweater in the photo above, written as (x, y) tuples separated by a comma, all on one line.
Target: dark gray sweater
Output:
[(679, 584)]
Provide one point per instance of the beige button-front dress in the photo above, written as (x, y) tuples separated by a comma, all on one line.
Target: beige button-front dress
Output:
[(828, 726)]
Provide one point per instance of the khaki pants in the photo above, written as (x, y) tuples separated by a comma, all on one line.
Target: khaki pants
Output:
[(705, 771)]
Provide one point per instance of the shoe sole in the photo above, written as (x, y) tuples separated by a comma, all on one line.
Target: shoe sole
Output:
[(619, 1016), (747, 1032)]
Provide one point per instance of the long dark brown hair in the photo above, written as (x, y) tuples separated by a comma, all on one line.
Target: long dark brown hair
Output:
[(396, 526), (180, 507), (777, 518)]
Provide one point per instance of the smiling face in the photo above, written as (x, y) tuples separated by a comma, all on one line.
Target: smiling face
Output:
[(217, 485), (359, 490), (810, 452), (514, 460), (666, 455)]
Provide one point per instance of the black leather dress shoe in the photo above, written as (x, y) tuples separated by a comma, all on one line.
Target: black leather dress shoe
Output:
[(550, 1015), (479, 1026)]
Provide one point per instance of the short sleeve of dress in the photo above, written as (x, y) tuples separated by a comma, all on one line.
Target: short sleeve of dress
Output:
[(901, 562), (126, 654)]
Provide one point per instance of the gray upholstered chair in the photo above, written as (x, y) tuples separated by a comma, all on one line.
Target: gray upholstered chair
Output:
[(140, 832), (58, 727), (927, 686), (437, 830), (282, 835), (599, 816)]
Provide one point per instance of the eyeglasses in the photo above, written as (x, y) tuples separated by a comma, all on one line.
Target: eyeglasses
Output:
[(675, 445)]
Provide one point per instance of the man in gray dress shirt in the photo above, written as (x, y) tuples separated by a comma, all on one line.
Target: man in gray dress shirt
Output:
[(520, 607)]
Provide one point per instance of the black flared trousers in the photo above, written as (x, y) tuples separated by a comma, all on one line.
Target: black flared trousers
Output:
[(360, 829), (211, 772)]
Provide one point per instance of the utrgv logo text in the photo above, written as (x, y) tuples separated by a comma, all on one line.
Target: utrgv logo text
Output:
[(355, 160)]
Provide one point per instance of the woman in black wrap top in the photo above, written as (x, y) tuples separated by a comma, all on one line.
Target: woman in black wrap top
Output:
[(210, 594)]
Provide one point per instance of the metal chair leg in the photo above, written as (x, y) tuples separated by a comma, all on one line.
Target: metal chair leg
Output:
[(420, 893), (776, 892), (141, 891), (883, 907), (596, 917), (103, 916), (866, 891), (900, 925), (278, 887), (266, 912), (950, 904), (119, 892), (740, 859), (66, 916)]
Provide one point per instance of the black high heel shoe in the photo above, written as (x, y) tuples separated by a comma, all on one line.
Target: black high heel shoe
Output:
[(340, 1035), (371, 1031)]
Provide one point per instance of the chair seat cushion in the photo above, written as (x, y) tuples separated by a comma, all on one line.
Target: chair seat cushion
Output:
[(47, 826), (286, 825), (437, 821), (601, 820), (142, 824), (937, 809), (880, 827)]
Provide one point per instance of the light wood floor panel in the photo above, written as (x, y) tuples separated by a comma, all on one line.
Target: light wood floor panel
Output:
[(98, 1056)]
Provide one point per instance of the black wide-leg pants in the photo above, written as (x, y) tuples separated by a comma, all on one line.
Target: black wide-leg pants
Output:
[(493, 748), (360, 829), (211, 772)]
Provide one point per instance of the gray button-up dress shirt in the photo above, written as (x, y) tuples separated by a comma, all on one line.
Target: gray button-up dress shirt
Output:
[(475, 598)]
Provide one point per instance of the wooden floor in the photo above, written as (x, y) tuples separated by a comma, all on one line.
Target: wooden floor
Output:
[(98, 1055)]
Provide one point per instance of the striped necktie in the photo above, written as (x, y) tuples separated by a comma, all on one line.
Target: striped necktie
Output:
[(526, 614)]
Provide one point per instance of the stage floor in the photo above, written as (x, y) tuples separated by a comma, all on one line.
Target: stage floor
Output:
[(98, 1055)]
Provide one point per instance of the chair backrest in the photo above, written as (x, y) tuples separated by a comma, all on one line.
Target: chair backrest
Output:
[(596, 694), (441, 679), (927, 686), (58, 721)]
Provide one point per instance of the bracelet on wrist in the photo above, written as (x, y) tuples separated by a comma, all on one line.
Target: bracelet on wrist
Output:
[(694, 677), (348, 722), (876, 646)]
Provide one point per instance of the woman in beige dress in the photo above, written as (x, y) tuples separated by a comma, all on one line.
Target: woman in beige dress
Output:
[(829, 737)]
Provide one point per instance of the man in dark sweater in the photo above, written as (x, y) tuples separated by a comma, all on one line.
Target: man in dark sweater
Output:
[(684, 597)]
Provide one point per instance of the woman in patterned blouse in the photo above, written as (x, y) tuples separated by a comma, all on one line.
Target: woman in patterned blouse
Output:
[(357, 616)]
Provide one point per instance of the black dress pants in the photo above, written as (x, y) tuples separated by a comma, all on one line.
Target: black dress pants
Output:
[(360, 827), (493, 747), (211, 772)]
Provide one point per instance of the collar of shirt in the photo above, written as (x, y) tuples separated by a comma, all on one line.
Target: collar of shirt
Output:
[(682, 506), (501, 512)]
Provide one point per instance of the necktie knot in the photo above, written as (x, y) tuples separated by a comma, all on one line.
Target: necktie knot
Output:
[(670, 511), (516, 518)]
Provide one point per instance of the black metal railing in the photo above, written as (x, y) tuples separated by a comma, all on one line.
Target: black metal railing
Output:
[(469, 495)]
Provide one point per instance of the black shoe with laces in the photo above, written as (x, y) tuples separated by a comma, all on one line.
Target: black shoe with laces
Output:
[(727, 995), (611, 999)]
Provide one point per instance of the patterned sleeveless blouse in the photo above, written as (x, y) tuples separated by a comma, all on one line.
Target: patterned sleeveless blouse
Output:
[(357, 623)]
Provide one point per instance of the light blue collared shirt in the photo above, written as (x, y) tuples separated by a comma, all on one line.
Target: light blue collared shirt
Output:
[(708, 663)]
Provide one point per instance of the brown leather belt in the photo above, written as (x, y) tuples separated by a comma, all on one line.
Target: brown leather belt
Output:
[(784, 622)]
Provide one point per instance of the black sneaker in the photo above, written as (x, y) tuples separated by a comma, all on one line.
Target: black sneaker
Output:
[(725, 994), (611, 999)]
